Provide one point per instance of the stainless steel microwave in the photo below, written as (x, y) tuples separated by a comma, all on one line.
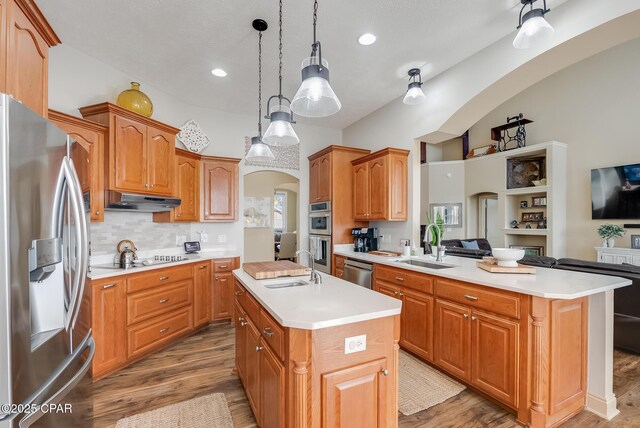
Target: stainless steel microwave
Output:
[(320, 218)]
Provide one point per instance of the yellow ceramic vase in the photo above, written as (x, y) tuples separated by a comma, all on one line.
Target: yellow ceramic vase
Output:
[(135, 100)]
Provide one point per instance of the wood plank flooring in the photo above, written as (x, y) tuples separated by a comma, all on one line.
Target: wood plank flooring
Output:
[(203, 363)]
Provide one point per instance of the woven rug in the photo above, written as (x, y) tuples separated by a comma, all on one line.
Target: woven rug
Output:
[(421, 386), (209, 411)]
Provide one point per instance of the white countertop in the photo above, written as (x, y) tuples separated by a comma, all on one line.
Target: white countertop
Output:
[(312, 307), (547, 283), (99, 273)]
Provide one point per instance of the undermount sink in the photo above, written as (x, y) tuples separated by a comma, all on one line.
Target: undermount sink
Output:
[(426, 264), (285, 283)]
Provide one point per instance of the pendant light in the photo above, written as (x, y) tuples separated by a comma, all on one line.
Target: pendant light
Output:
[(259, 151), (280, 132), (315, 98), (532, 25), (414, 94)]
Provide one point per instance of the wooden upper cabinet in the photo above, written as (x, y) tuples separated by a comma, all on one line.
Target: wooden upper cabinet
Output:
[(26, 38), (89, 161), (220, 178), (3, 45), (380, 186), (314, 165), (140, 151), (187, 188), (320, 179)]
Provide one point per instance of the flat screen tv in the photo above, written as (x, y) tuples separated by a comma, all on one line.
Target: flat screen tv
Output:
[(615, 192)]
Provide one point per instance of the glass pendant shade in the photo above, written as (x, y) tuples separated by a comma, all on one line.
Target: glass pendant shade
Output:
[(535, 29), (414, 94), (280, 132), (315, 98), (259, 151)]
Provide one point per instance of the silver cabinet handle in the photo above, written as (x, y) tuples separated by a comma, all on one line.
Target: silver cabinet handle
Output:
[(146, 185), (164, 330), (224, 267), (267, 332), (109, 286), (97, 212), (203, 267), (473, 318), (399, 278), (242, 323), (384, 372), (466, 315), (238, 293), (164, 300), (259, 348), (470, 297), (164, 278)]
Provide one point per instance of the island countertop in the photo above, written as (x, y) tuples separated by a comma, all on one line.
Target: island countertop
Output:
[(546, 283), (333, 303)]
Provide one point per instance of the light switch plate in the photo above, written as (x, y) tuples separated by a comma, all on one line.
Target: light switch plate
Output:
[(222, 239), (355, 344)]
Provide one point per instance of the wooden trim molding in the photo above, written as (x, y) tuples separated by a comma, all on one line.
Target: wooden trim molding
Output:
[(332, 148), (58, 116), (33, 13), (107, 107), (379, 153)]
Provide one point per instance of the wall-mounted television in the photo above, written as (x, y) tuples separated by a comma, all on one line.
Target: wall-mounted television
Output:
[(615, 192)]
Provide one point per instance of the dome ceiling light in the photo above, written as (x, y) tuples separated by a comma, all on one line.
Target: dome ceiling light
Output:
[(414, 94), (534, 29)]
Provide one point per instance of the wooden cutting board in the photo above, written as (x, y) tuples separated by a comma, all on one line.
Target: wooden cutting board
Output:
[(384, 253), (504, 269), (268, 270)]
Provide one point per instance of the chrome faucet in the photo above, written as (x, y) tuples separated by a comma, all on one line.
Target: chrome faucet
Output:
[(315, 276), (439, 248)]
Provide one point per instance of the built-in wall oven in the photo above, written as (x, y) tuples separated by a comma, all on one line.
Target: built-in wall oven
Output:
[(320, 218), (320, 247)]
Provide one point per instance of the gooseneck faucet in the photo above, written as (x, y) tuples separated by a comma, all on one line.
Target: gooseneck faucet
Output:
[(315, 276), (438, 238)]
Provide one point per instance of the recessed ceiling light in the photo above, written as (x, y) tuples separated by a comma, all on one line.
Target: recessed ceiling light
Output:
[(367, 39), (218, 72)]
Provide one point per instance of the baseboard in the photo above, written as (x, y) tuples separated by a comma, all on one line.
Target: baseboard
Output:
[(606, 409)]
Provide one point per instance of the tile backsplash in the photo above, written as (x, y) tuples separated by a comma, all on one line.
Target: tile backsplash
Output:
[(136, 226)]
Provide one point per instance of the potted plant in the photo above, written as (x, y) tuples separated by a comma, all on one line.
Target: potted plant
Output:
[(430, 236), (608, 232)]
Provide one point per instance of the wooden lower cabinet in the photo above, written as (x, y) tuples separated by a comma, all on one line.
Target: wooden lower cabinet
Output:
[(109, 323), (453, 339), (222, 296), (355, 396), (272, 378), (240, 340), (252, 367), (202, 305), (416, 333)]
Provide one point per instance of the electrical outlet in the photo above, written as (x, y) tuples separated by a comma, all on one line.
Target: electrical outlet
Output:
[(222, 239), (355, 344), (405, 242), (178, 240), (386, 239)]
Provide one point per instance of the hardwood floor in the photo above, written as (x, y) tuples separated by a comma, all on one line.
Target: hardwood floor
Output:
[(203, 363)]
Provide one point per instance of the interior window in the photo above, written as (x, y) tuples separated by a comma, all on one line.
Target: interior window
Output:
[(280, 211)]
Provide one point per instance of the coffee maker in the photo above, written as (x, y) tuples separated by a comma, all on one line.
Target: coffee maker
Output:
[(365, 239)]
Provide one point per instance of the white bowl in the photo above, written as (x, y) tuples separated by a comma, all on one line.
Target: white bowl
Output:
[(508, 257)]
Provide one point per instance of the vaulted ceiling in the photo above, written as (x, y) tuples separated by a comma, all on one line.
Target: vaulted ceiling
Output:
[(173, 45)]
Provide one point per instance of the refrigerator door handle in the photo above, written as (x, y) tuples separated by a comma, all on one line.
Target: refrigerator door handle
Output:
[(87, 343), (82, 256)]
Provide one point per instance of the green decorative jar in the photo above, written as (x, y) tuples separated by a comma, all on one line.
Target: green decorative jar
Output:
[(135, 100)]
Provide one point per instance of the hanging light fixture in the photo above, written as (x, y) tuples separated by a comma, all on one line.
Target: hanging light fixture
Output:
[(280, 132), (414, 91), (315, 98), (532, 25), (259, 151)]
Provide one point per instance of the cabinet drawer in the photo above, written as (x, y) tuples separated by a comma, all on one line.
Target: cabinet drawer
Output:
[(145, 281), (148, 304), (223, 265), (248, 303), (272, 333), (499, 302), (158, 331), (405, 278)]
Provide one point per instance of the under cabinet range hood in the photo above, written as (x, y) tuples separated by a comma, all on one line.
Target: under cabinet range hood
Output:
[(116, 201)]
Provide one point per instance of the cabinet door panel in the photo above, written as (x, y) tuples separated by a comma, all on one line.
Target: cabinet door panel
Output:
[(355, 397), (252, 367), (398, 192), (453, 339), (378, 189), (361, 191), (27, 62), (417, 324), (202, 299), (129, 156), (161, 161), (241, 343), (222, 295), (271, 389), (187, 189), (109, 321), (494, 362), (313, 180), (324, 178), (220, 191)]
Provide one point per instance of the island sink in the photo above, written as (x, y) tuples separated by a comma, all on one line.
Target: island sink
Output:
[(286, 283), (426, 264)]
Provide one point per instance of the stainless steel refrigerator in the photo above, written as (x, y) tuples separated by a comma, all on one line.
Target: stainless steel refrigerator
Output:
[(46, 346)]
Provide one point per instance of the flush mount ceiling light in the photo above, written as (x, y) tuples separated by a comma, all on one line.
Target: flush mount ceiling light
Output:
[(532, 25), (218, 72), (280, 132), (367, 39), (259, 151), (315, 98), (414, 91)]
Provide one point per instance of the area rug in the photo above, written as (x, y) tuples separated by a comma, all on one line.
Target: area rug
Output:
[(209, 411), (421, 386)]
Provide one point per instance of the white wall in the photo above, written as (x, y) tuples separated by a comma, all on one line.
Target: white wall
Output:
[(446, 185), (77, 79), (593, 107)]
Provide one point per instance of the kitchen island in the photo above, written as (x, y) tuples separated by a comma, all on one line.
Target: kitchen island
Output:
[(317, 354), (540, 345)]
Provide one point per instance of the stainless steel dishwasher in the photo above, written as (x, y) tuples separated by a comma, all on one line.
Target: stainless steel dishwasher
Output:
[(358, 272)]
